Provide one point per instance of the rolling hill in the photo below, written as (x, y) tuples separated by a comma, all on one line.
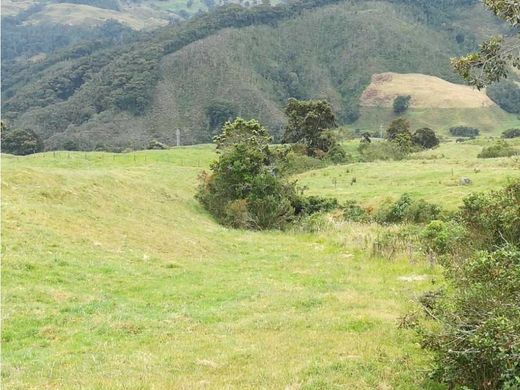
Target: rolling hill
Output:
[(114, 277), (241, 61), (434, 103)]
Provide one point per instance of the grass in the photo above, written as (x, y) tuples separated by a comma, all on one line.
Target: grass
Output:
[(114, 277), (491, 121), (432, 175)]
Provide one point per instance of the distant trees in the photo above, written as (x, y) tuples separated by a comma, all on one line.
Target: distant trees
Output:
[(401, 104), (495, 57), (511, 133), (506, 94), (20, 141), (308, 124), (464, 131)]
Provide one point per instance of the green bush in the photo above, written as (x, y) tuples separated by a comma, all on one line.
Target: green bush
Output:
[(381, 150), (352, 211), (246, 189), (405, 209), (499, 149), (511, 133), (20, 142), (473, 326), (425, 138), (337, 154), (464, 131), (477, 345)]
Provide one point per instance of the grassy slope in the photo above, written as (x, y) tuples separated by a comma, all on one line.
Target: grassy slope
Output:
[(80, 14), (490, 120), (114, 277), (434, 175)]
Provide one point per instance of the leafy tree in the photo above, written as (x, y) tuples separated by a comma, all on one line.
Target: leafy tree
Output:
[(401, 103), (243, 190), (399, 133), (425, 138), (496, 55), (308, 122), (241, 131), (20, 141)]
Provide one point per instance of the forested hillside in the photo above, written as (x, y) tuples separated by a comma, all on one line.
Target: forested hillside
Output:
[(120, 93)]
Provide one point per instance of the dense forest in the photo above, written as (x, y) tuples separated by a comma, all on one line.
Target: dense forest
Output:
[(119, 88)]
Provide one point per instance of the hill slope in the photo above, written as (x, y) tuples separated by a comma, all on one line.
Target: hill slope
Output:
[(435, 103), (248, 61)]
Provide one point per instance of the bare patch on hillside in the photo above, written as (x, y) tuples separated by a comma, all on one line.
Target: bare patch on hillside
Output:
[(80, 14), (426, 92)]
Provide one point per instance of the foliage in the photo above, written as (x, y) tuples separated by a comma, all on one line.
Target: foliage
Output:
[(314, 204), (475, 336), (20, 141), (442, 237), (401, 103), (425, 138), (495, 56), (464, 131), (307, 124), (243, 191), (337, 154), (506, 94), (511, 133), (241, 131), (352, 211), (399, 133), (499, 149), (381, 150), (405, 209)]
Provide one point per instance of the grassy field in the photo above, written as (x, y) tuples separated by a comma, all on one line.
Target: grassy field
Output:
[(432, 175), (114, 277)]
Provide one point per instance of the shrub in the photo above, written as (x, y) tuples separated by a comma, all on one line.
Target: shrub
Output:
[(401, 104), (21, 142), (245, 189), (478, 343), (499, 149), (425, 138), (464, 131), (373, 151), (352, 211), (337, 154), (314, 204), (442, 237), (405, 209), (511, 133), (475, 334)]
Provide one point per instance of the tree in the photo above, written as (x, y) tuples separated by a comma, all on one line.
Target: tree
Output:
[(401, 103), (308, 122), (425, 138), (506, 94), (20, 142), (511, 133), (496, 55), (242, 131), (243, 189)]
